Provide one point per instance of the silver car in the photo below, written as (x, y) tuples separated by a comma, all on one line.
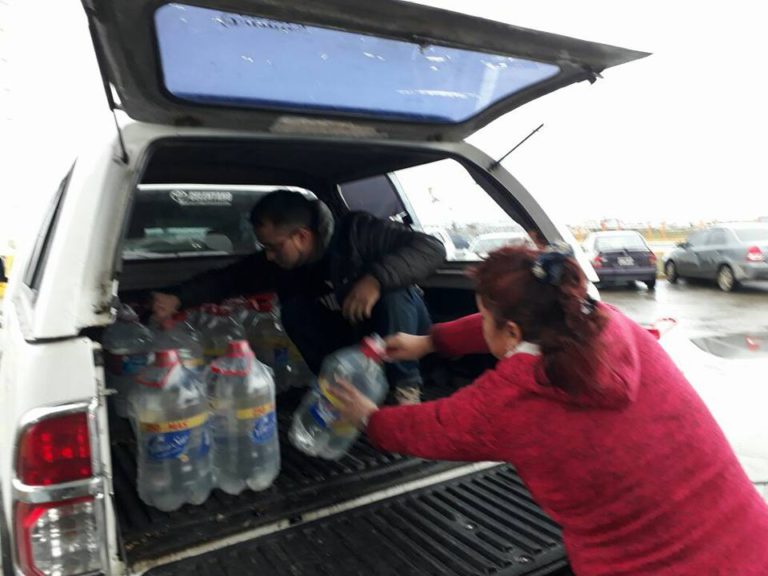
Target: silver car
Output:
[(729, 254)]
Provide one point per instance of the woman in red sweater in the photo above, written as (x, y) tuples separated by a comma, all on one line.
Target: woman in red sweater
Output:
[(610, 438)]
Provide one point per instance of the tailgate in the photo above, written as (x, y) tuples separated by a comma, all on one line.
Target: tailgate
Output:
[(481, 523)]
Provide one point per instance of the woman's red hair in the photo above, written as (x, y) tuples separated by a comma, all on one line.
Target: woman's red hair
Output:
[(559, 318)]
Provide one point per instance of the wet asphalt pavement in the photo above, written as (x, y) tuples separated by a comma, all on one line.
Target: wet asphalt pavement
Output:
[(700, 308)]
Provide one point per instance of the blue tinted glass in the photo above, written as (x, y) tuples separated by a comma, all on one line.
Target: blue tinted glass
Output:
[(221, 58)]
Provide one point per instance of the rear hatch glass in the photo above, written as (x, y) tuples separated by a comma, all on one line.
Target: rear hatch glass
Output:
[(368, 68), (213, 57)]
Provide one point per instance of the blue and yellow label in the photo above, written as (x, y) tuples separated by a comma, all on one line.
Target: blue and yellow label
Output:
[(167, 440)]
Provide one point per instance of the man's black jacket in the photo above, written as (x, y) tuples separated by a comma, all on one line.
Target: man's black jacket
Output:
[(356, 245)]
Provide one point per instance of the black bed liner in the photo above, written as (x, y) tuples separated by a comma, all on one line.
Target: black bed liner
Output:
[(479, 524), (304, 484)]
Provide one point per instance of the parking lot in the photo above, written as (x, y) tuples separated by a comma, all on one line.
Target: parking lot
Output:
[(699, 307)]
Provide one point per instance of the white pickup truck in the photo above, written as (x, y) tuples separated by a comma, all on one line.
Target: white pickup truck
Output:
[(216, 99)]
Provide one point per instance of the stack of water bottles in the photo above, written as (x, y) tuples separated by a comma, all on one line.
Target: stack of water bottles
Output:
[(241, 394), (169, 412), (195, 433), (202, 404)]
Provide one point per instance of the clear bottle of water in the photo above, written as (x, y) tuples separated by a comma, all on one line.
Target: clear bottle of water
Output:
[(169, 412), (274, 348), (246, 448), (177, 334), (222, 329), (316, 429), (200, 318), (240, 308), (127, 345)]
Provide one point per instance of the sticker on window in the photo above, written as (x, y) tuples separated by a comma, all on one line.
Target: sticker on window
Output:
[(201, 197)]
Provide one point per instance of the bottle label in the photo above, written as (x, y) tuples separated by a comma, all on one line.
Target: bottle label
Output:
[(215, 352), (125, 364), (188, 360), (264, 428), (326, 415), (167, 440), (264, 422)]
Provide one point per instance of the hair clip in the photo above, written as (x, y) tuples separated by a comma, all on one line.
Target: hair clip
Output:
[(549, 265)]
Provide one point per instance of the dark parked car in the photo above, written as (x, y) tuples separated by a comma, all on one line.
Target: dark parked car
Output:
[(621, 256), (729, 254)]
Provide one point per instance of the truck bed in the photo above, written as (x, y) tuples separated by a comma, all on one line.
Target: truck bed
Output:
[(308, 484), (479, 524)]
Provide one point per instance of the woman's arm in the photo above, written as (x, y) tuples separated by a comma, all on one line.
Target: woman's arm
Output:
[(460, 337), (453, 428)]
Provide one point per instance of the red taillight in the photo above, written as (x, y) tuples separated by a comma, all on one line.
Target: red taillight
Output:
[(597, 262), (54, 451), (652, 259), (58, 537), (754, 254)]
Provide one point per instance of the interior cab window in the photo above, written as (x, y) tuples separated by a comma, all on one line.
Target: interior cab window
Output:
[(193, 220), (378, 196), (448, 203)]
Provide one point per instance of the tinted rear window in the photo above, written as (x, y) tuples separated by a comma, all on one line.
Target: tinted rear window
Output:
[(187, 221), (752, 234), (222, 58), (628, 242)]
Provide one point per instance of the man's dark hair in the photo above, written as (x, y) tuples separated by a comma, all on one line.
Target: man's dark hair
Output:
[(285, 208)]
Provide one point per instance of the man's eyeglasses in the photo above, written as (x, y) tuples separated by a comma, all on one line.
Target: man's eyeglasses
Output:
[(277, 246)]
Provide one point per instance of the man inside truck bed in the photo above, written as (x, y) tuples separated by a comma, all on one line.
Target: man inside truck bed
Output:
[(336, 280)]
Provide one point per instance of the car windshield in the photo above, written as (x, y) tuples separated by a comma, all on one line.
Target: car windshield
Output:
[(752, 234), (621, 242)]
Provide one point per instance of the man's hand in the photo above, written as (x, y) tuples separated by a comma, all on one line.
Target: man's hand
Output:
[(359, 303), (164, 305)]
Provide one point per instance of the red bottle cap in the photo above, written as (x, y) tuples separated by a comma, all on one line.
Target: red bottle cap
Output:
[(373, 347), (239, 349)]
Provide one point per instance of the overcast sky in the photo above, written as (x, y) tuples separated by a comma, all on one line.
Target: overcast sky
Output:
[(678, 135)]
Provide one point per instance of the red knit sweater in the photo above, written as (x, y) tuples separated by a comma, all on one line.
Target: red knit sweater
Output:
[(642, 481)]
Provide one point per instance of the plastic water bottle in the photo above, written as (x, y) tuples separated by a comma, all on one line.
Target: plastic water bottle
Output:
[(246, 448), (177, 334), (127, 346), (169, 412), (316, 429), (274, 348), (220, 331), (240, 308)]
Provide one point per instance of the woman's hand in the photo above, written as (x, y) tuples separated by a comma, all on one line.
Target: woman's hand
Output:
[(402, 346), (352, 405)]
